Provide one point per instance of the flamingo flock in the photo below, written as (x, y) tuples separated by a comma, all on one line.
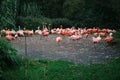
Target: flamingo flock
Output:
[(72, 33)]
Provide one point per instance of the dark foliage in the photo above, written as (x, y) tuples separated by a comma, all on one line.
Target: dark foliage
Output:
[(33, 22), (8, 57), (89, 13)]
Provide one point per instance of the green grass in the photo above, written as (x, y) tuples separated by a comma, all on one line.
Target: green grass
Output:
[(60, 70)]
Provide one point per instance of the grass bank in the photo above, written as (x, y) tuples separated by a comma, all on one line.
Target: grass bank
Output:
[(60, 70)]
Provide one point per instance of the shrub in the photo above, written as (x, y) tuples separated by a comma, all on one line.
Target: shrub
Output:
[(0, 73), (8, 56), (61, 21), (30, 22)]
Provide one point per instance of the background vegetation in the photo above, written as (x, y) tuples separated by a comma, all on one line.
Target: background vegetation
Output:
[(89, 13)]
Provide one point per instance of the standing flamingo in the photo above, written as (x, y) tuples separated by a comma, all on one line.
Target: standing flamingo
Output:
[(54, 31), (58, 40), (109, 38), (96, 40), (45, 32)]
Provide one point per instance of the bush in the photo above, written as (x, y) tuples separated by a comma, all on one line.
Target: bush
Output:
[(30, 22), (8, 57), (117, 37), (61, 21), (0, 73)]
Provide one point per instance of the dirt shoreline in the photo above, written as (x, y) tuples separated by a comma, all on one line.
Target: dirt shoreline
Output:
[(82, 51)]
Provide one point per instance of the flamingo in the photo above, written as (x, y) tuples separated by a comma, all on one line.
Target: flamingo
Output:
[(38, 31), (96, 34), (62, 31), (75, 37), (19, 27), (89, 30), (7, 32), (58, 39), (30, 32), (94, 30), (3, 31), (49, 27), (104, 30), (86, 35), (9, 37), (103, 34), (96, 39), (109, 38), (20, 33), (13, 32), (68, 33), (43, 25), (45, 32), (54, 31)]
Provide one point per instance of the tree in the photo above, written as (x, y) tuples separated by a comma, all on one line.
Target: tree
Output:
[(73, 8), (8, 12)]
